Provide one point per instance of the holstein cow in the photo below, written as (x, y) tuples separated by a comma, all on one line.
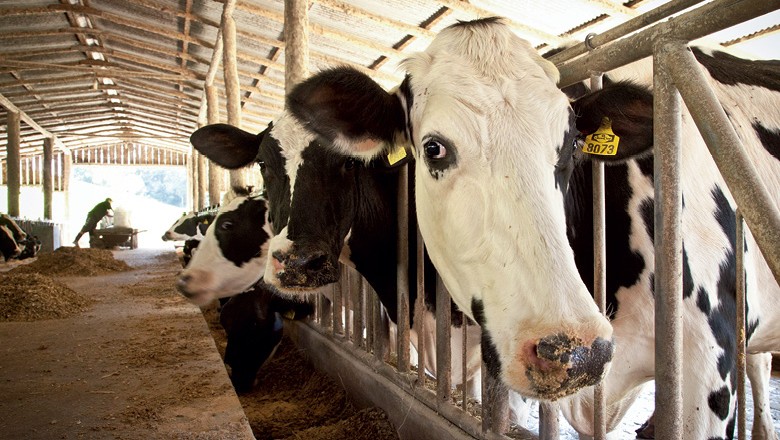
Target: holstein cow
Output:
[(28, 245), (232, 255), (229, 264), (8, 245), (496, 141), (326, 207), (253, 323), (191, 228)]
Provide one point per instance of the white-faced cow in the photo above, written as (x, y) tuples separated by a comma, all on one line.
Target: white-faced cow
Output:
[(495, 141)]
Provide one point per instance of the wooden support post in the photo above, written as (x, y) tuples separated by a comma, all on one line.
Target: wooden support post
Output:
[(296, 38), (215, 172), (192, 178), (12, 159), (232, 84), (48, 187)]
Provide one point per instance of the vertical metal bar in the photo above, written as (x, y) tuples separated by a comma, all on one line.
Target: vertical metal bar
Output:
[(402, 270), (346, 291), (420, 309), (549, 428), (599, 274), (443, 353), (336, 309), (741, 318), (380, 326), (668, 244), (465, 361), (368, 299), (358, 320)]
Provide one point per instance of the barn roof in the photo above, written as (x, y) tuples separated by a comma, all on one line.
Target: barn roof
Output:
[(101, 72)]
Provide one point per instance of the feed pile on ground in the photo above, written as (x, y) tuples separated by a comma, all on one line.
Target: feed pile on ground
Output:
[(35, 297), (72, 261)]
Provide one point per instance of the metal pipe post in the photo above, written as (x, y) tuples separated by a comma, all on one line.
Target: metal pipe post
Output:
[(668, 248), (739, 249), (443, 338), (402, 270)]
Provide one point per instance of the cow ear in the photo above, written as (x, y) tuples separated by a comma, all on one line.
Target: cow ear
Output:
[(617, 122), (349, 110), (227, 146)]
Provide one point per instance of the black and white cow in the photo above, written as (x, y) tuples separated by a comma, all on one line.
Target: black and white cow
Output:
[(191, 225), (232, 255), (253, 322), (28, 245), (229, 266), (494, 136), (191, 228), (8, 245), (326, 208)]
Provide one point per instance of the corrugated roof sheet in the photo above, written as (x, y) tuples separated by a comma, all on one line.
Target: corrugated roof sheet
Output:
[(96, 72)]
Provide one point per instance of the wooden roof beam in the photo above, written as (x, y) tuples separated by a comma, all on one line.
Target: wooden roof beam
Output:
[(5, 102)]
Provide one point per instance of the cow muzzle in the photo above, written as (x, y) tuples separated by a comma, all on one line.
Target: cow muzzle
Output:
[(195, 286), (559, 365), (303, 271)]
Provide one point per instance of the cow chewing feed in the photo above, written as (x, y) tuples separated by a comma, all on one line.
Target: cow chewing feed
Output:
[(8, 245), (253, 323), (495, 142)]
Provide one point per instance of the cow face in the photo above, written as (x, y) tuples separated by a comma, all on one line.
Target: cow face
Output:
[(487, 123), (313, 196), (232, 255), (189, 226)]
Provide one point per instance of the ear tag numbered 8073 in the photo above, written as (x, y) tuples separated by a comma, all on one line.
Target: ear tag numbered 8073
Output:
[(602, 142)]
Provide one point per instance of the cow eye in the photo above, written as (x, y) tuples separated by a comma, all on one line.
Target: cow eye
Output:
[(261, 164), (435, 150), (349, 164), (226, 225)]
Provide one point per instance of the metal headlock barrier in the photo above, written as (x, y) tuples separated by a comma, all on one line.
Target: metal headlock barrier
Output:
[(351, 336)]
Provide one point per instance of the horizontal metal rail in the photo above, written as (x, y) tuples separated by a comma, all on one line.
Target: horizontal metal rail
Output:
[(698, 23)]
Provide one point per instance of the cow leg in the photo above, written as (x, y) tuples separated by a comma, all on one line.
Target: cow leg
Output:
[(759, 370)]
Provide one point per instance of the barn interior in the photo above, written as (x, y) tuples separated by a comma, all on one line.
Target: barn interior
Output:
[(98, 98)]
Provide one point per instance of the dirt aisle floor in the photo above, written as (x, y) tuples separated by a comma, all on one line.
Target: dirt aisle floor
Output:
[(139, 363), (142, 363)]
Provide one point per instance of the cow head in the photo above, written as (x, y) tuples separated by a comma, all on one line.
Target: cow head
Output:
[(313, 196), (188, 226), (232, 255), (492, 135)]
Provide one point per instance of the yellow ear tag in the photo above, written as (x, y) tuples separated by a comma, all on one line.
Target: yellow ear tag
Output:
[(603, 142), (205, 222), (396, 155), (290, 314)]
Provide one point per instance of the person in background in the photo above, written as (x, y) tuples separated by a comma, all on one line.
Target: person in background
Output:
[(94, 216)]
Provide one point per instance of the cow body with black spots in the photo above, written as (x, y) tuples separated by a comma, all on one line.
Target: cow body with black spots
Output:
[(494, 139)]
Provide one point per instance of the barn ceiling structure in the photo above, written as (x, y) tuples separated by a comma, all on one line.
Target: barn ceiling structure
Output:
[(102, 72)]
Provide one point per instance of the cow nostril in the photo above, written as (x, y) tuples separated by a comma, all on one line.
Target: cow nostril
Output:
[(182, 282), (315, 262)]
